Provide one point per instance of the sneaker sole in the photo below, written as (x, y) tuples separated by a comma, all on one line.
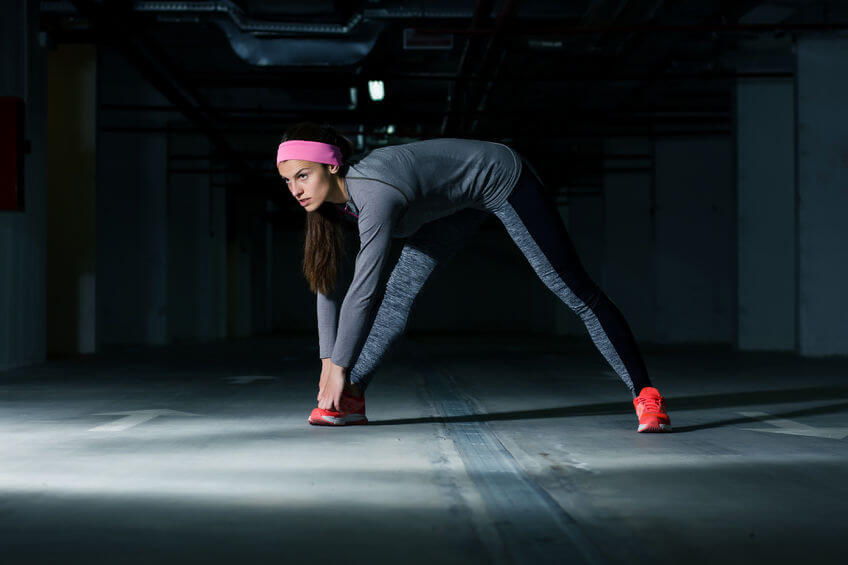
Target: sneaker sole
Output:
[(654, 428), (349, 420)]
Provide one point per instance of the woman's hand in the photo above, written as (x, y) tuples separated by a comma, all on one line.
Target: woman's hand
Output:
[(331, 393), (325, 372)]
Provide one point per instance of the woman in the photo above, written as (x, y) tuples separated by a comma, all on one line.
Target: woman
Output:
[(434, 193)]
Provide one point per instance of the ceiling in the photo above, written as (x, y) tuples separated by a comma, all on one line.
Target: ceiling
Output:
[(552, 78)]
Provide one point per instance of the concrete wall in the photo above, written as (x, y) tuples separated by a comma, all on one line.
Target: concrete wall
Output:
[(487, 286), (22, 234), (584, 215), (249, 297), (664, 252), (822, 196), (197, 252), (628, 269), (293, 304), (161, 246), (71, 233), (695, 240), (765, 176), (662, 243)]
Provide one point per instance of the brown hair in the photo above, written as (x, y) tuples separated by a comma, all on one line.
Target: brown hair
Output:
[(324, 245)]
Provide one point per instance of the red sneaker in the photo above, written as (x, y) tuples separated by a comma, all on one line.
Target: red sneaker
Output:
[(352, 412), (650, 409)]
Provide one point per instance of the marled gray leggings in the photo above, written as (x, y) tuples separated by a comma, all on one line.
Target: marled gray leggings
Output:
[(533, 221)]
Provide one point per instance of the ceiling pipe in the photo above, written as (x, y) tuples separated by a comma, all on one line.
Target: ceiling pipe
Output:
[(254, 25), (355, 38), (247, 24), (645, 28)]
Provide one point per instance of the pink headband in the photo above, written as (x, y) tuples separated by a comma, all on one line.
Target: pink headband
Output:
[(314, 151)]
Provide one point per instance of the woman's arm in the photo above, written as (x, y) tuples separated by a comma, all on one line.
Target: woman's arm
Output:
[(376, 221), (327, 310), (382, 207)]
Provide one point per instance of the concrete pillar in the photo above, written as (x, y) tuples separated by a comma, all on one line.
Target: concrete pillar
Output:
[(695, 244), (765, 176), (71, 162), (822, 196), (132, 211), (23, 61)]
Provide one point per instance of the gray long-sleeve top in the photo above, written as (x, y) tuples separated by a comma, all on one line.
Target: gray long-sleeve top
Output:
[(392, 192)]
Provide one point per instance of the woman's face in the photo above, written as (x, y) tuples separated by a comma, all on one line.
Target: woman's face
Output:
[(308, 182)]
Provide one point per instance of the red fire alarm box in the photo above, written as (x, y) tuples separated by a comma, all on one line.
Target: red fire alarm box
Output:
[(12, 149)]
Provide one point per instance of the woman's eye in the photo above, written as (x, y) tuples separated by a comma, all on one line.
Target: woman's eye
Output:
[(303, 176)]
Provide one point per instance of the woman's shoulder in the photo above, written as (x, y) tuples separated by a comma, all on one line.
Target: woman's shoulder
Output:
[(388, 150), (374, 194)]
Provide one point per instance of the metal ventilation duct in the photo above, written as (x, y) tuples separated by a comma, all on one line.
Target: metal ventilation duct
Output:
[(245, 36), (249, 39), (243, 22), (302, 51)]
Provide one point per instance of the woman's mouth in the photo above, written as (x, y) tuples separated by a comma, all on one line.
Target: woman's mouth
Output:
[(305, 201)]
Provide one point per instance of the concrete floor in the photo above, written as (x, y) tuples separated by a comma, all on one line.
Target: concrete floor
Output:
[(509, 449)]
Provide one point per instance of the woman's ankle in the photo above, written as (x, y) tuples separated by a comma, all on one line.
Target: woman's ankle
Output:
[(353, 389)]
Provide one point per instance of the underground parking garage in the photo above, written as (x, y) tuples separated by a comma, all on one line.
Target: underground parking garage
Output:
[(587, 258)]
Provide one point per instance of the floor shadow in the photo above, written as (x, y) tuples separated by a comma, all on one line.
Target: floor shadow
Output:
[(729, 400), (827, 409)]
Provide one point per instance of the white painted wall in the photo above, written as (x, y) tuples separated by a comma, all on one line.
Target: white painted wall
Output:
[(823, 196)]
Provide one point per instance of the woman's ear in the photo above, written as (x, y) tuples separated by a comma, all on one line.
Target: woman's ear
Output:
[(334, 169)]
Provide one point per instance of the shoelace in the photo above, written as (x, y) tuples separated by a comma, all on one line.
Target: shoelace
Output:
[(652, 403)]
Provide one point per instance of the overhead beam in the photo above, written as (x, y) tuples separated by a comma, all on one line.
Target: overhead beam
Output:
[(600, 11), (458, 88), (522, 28)]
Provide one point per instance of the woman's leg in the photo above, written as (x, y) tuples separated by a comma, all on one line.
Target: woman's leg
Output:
[(533, 221), (431, 246)]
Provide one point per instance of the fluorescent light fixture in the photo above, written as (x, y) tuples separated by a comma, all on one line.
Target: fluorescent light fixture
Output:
[(376, 90)]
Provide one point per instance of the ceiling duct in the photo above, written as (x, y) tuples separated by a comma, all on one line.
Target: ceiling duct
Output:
[(249, 39), (301, 51), (245, 23)]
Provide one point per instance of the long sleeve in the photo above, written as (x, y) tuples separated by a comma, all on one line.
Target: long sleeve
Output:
[(328, 306), (380, 206), (328, 320)]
